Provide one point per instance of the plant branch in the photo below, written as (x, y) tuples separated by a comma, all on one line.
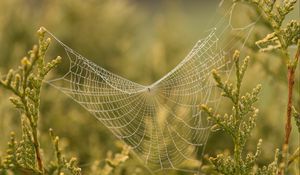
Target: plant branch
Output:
[(292, 65), (291, 81)]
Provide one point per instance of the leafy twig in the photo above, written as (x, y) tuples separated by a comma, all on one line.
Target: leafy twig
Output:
[(238, 125), (25, 83)]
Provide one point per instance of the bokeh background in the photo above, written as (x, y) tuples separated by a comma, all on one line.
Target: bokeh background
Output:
[(140, 40)]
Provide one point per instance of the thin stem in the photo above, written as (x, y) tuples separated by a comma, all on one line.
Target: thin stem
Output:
[(288, 126), (291, 81), (237, 117), (37, 149), (237, 155)]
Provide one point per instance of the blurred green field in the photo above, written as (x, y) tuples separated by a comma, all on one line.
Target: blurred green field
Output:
[(142, 41)]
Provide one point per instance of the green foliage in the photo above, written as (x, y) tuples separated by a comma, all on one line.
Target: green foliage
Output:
[(61, 162), (282, 37), (289, 34), (117, 38), (25, 83), (113, 161), (239, 126)]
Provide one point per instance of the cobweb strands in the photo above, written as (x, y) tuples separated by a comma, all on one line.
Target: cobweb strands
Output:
[(161, 122)]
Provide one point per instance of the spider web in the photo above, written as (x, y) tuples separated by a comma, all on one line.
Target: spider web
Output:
[(161, 122)]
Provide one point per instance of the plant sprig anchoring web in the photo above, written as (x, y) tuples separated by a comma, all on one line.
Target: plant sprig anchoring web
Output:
[(161, 122)]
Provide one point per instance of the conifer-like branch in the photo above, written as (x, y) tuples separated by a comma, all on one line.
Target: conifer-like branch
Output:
[(238, 125), (24, 157), (281, 38)]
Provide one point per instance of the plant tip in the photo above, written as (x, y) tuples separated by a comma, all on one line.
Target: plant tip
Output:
[(41, 31), (48, 40), (236, 55)]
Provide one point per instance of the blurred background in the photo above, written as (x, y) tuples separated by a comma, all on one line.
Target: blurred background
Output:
[(142, 41)]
